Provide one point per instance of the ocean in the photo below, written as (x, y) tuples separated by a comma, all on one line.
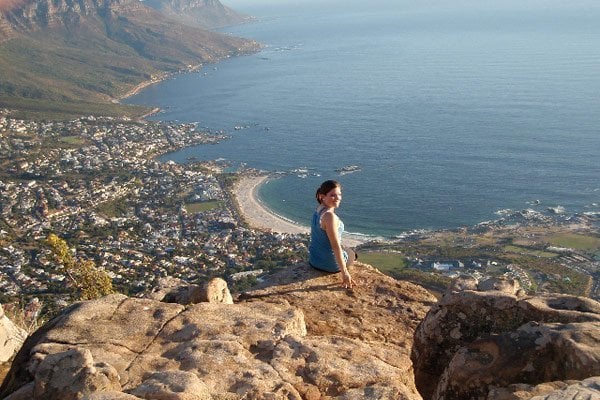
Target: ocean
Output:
[(451, 110)]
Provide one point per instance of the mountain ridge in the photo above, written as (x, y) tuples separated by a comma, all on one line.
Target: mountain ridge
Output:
[(67, 51), (208, 14)]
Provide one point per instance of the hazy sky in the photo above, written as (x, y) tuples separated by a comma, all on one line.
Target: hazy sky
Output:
[(580, 4), (237, 3), (243, 3)]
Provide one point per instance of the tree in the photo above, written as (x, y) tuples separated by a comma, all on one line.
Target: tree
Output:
[(88, 281)]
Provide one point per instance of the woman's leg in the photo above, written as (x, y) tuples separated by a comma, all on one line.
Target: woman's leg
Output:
[(352, 256)]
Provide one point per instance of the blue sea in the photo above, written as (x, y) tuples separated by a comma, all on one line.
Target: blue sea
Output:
[(452, 110)]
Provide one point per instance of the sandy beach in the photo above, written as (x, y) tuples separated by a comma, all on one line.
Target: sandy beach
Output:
[(260, 217), (255, 213)]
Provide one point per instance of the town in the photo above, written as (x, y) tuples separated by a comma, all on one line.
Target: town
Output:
[(540, 250), (97, 184)]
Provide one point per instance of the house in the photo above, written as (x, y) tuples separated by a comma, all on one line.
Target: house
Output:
[(446, 265)]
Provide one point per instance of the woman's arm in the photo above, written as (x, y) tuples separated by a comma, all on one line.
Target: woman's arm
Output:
[(330, 222)]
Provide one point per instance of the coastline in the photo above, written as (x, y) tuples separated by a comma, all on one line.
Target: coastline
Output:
[(156, 79), (259, 216), (141, 86), (256, 214)]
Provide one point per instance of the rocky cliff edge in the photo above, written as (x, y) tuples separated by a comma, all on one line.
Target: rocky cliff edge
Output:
[(301, 336), (304, 338), (488, 340)]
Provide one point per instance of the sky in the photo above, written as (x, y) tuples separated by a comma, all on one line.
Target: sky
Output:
[(234, 3), (250, 3), (256, 7)]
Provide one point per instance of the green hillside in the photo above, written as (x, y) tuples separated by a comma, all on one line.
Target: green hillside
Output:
[(81, 68)]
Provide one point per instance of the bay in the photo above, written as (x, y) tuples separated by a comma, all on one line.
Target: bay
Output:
[(452, 110)]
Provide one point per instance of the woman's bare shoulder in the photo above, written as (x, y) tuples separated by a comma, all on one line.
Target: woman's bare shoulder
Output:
[(329, 217)]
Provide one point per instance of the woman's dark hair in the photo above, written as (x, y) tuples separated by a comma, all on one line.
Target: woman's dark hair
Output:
[(326, 187)]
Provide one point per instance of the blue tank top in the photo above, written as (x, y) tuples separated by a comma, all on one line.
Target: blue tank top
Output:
[(320, 252)]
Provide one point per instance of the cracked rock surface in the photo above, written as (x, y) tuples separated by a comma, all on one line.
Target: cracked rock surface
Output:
[(491, 344), (11, 337), (303, 337)]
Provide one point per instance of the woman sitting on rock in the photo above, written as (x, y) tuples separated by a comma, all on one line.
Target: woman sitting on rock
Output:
[(325, 250)]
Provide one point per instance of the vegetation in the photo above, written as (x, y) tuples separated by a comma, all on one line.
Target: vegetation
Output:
[(65, 109), (384, 261), (87, 281), (227, 180), (79, 68), (395, 265), (532, 252), (113, 208), (575, 241)]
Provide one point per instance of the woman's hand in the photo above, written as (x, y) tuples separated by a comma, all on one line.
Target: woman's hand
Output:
[(347, 281)]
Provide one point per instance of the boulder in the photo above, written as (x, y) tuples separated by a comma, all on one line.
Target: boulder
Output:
[(379, 309), (68, 375), (173, 290), (464, 282), (167, 286), (213, 291), (175, 385), (531, 354), (496, 338), (11, 337), (110, 395), (500, 284), (305, 338), (588, 389), (370, 328)]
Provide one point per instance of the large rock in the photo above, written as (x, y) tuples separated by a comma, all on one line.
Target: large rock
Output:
[(588, 389), (471, 342), (533, 353), (379, 310), (11, 337), (174, 290), (306, 338), (368, 331)]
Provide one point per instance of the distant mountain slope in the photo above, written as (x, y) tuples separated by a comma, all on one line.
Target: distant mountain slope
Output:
[(96, 50), (204, 13)]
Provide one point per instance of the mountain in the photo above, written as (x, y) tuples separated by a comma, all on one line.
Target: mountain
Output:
[(204, 13), (65, 52)]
